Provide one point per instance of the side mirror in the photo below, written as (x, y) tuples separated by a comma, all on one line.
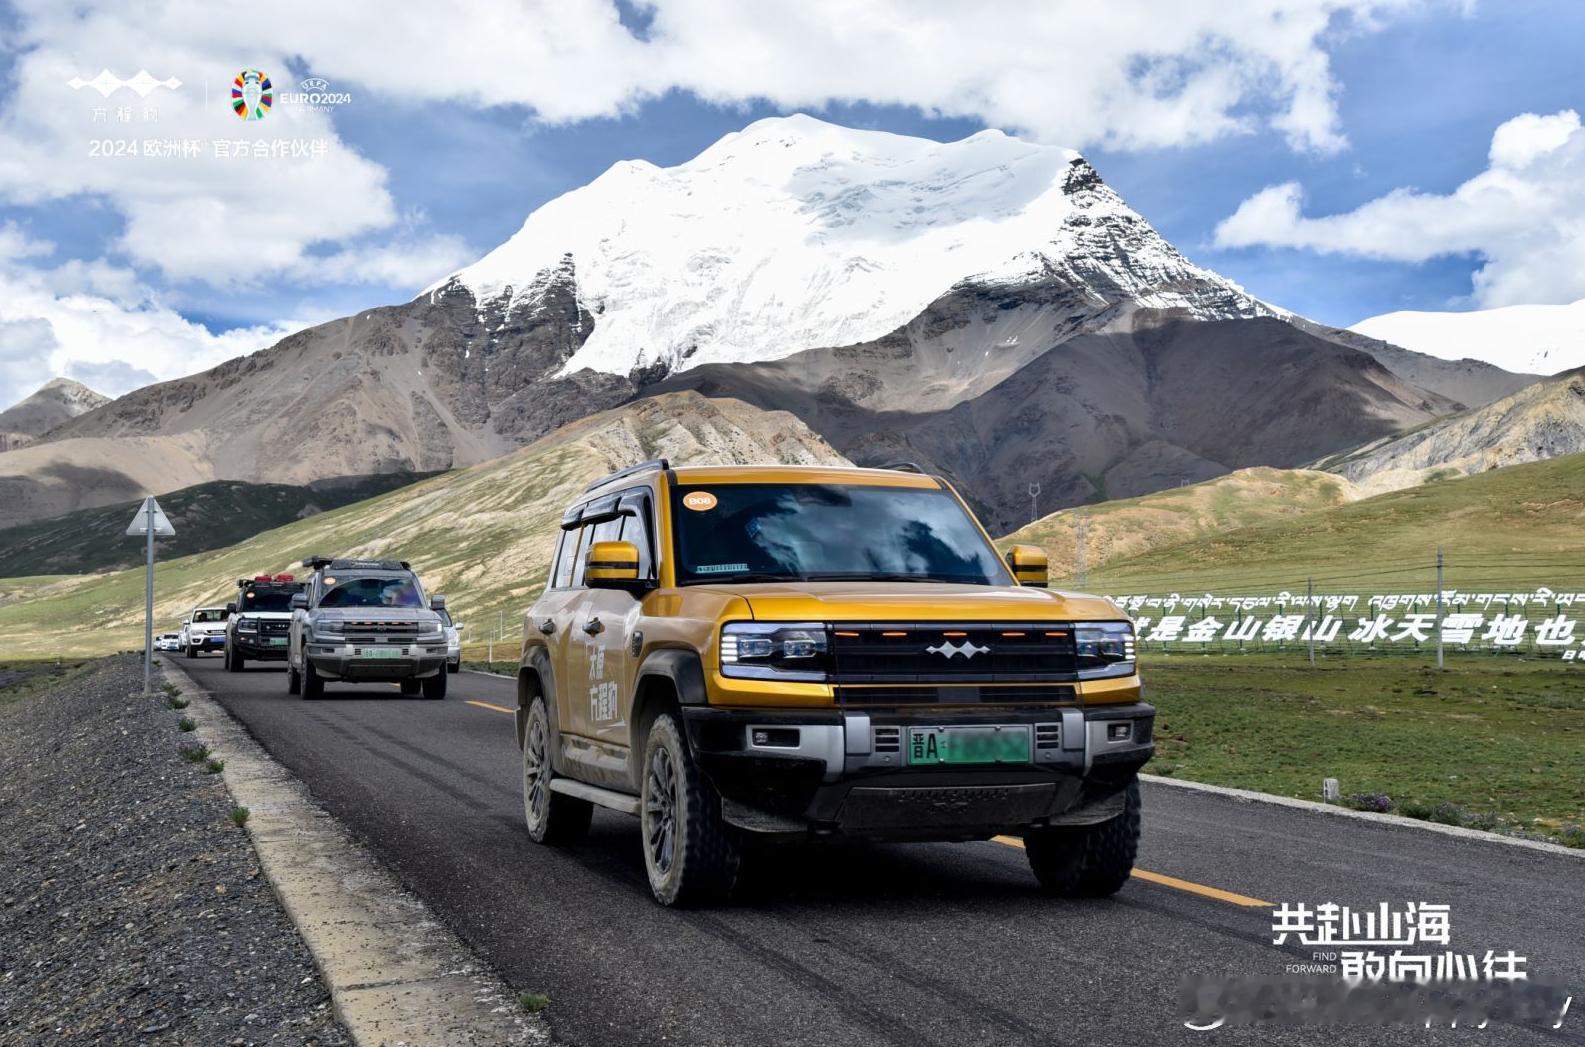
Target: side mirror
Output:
[(612, 565), (458, 626), (231, 609), (1029, 565), (299, 601), (437, 603)]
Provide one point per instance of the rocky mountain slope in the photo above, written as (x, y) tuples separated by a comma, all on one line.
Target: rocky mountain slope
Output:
[(1539, 339), (1473, 383), (1149, 403), (482, 536), (54, 403), (1542, 421), (871, 283)]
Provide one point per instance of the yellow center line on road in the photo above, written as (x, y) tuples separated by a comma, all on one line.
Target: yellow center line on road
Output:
[(1139, 874), (1172, 881), (487, 705)]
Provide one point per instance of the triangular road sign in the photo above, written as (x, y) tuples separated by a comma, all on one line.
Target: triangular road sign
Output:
[(140, 522)]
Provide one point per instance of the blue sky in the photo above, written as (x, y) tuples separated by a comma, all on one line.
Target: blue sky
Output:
[(457, 168)]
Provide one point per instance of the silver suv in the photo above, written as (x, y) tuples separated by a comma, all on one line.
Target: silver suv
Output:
[(366, 621)]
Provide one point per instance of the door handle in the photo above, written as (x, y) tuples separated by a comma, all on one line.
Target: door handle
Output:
[(547, 627), (593, 626)]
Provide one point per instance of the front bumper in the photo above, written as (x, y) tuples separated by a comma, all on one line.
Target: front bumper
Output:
[(258, 648), (208, 641), (354, 662), (847, 772)]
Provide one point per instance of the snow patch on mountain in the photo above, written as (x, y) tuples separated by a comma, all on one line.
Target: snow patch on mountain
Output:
[(1525, 339), (795, 234)]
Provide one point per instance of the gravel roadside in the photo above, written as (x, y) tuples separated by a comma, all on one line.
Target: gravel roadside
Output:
[(132, 910)]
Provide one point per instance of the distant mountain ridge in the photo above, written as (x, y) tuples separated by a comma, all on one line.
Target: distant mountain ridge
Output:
[(1539, 339), (1542, 421), (988, 306), (53, 404)]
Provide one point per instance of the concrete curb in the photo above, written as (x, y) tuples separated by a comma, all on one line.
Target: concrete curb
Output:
[(396, 976), (1394, 820)]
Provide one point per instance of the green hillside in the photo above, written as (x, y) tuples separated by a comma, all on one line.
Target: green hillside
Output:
[(1522, 526), (482, 535), (1129, 527), (206, 516)]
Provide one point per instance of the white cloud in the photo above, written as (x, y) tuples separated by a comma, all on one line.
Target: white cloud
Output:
[(58, 321), (1523, 217)]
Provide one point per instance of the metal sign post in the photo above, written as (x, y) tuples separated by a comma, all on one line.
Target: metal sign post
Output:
[(149, 521)]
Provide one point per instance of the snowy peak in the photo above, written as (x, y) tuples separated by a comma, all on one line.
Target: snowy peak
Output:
[(795, 234), (1525, 339)]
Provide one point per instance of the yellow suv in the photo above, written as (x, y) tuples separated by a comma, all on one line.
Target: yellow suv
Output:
[(820, 651)]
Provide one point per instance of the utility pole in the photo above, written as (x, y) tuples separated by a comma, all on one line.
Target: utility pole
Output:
[(1034, 502), (1309, 616), (1081, 522), (1439, 607)]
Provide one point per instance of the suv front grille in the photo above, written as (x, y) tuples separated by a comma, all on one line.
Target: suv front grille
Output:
[(937, 652), (274, 626), (885, 694)]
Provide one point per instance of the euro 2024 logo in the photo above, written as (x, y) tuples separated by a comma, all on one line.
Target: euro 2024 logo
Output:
[(252, 95)]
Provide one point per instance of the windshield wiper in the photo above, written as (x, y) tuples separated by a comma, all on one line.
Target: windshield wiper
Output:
[(737, 577)]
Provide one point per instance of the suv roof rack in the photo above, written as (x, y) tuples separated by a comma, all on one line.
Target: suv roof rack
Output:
[(340, 564), (904, 467), (654, 463)]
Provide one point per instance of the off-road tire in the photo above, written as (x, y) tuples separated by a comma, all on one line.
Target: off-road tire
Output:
[(192, 652), (552, 818), (313, 683), (233, 661), (434, 687), (294, 680), (704, 852), (1090, 861), (410, 686), (452, 667)]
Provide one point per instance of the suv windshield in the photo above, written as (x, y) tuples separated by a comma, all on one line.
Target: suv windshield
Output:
[(825, 532), (278, 600), (389, 591), (216, 615)]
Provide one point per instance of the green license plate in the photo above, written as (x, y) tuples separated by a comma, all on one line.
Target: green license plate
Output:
[(278, 641), (382, 652), (957, 745)]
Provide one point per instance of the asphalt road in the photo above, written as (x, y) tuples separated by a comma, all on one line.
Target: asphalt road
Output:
[(906, 944)]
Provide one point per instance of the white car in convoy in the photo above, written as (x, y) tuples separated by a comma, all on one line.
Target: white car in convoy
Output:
[(204, 630), (168, 642)]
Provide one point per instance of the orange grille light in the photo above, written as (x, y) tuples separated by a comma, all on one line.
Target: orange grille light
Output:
[(841, 633), (1012, 634), (954, 634), (894, 634)]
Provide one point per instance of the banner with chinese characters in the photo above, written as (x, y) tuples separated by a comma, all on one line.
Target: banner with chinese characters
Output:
[(1535, 621)]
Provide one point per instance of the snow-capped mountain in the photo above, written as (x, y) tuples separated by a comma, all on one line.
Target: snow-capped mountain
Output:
[(988, 308), (795, 234), (1534, 339)]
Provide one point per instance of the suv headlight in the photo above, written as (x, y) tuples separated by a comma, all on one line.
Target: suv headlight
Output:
[(779, 650), (325, 626), (1104, 649), (247, 625)]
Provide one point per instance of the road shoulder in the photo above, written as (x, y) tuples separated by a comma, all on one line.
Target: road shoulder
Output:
[(394, 973)]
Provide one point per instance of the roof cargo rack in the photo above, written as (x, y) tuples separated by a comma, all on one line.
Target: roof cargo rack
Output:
[(340, 564), (642, 467)]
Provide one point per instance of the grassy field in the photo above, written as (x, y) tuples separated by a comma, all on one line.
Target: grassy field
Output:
[(1500, 741), (1521, 526)]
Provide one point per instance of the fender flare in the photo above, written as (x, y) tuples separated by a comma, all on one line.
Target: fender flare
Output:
[(683, 671), (537, 662)]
